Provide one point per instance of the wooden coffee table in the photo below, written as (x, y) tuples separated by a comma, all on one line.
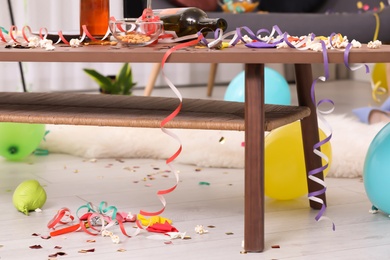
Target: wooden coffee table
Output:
[(253, 116)]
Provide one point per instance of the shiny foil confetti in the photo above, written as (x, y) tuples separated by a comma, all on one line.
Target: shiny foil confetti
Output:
[(83, 251)]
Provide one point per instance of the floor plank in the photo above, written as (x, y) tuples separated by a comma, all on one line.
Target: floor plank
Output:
[(72, 182)]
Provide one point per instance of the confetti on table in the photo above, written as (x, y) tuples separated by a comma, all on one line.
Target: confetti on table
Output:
[(54, 256), (87, 250), (205, 183), (36, 247), (127, 168)]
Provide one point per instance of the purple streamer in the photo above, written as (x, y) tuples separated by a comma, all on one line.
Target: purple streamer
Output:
[(261, 45)]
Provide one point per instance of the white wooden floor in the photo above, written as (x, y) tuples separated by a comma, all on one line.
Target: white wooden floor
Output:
[(131, 185)]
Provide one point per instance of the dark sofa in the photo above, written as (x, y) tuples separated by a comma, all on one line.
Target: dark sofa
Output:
[(334, 16)]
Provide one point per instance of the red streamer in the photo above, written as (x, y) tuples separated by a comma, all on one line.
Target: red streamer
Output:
[(11, 31)]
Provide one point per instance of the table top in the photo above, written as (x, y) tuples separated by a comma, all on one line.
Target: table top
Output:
[(155, 53)]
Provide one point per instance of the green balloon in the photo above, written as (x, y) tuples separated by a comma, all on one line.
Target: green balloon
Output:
[(29, 196), (18, 140)]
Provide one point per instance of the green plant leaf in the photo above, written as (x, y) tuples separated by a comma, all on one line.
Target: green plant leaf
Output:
[(104, 82), (125, 79), (122, 83)]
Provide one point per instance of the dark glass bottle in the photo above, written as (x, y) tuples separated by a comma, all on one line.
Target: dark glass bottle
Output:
[(186, 21)]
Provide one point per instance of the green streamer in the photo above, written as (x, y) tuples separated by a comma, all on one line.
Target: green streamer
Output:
[(3, 30)]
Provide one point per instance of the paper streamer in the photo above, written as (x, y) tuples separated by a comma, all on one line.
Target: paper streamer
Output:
[(161, 193), (96, 220)]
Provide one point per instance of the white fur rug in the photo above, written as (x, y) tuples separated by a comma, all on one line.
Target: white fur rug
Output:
[(203, 148)]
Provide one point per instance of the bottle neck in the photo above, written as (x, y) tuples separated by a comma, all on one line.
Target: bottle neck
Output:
[(212, 23)]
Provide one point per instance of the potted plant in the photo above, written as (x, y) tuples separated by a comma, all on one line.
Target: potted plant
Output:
[(121, 84)]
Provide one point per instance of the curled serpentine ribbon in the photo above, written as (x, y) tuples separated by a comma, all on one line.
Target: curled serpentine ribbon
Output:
[(43, 33), (169, 161), (301, 44), (93, 222)]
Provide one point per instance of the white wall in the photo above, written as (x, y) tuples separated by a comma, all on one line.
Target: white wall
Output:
[(64, 15)]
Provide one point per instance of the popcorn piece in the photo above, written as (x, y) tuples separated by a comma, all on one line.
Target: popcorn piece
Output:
[(246, 38), (74, 43), (50, 48), (33, 42), (44, 43), (316, 46), (199, 229), (115, 239), (356, 44), (282, 45), (106, 233), (374, 44)]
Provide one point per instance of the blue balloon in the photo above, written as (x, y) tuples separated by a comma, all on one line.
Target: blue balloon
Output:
[(376, 171), (276, 88)]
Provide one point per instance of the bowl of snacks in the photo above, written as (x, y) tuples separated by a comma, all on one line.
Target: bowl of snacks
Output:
[(133, 32)]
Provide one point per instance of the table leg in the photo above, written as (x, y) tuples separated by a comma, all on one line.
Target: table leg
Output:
[(152, 79), (211, 81), (309, 127), (254, 158)]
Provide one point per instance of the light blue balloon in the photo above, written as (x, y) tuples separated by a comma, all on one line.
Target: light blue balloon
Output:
[(376, 171), (276, 89)]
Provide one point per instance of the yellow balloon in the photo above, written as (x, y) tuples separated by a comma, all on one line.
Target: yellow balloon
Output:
[(285, 170), (378, 76)]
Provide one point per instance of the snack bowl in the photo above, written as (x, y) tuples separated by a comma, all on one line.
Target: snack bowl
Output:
[(132, 32)]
